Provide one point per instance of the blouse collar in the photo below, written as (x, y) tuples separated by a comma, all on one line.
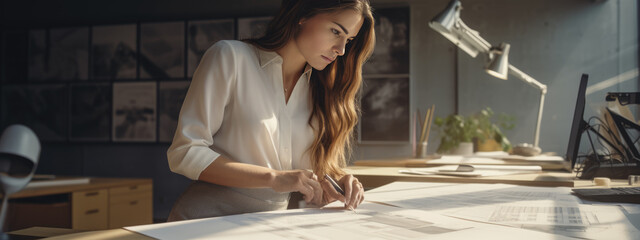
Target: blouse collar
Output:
[(268, 57)]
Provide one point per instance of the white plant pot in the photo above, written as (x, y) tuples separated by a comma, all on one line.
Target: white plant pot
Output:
[(464, 149)]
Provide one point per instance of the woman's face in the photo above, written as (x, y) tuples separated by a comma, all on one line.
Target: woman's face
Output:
[(323, 37)]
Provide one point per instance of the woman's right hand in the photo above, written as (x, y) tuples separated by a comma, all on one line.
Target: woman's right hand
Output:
[(302, 181)]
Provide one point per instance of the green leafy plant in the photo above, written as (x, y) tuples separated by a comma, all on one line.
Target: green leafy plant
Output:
[(490, 129), (455, 129)]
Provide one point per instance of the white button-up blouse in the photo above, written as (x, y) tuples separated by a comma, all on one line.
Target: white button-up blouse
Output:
[(235, 107)]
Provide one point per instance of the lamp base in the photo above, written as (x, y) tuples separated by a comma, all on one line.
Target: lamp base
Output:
[(525, 149)]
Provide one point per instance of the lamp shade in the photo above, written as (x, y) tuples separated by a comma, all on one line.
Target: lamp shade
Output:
[(499, 61), (19, 154), (445, 20)]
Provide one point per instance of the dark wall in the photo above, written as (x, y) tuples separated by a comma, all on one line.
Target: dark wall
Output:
[(56, 13), (108, 159)]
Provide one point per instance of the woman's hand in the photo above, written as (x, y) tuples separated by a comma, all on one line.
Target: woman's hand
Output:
[(302, 181), (353, 191)]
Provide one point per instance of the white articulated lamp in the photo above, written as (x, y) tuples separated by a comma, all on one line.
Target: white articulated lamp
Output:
[(450, 25), (19, 154)]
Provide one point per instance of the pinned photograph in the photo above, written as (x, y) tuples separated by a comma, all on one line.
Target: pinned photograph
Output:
[(90, 112), (385, 110), (69, 56), (134, 112), (43, 108), (252, 27), (114, 52), (162, 50), (391, 53), (171, 96), (201, 35)]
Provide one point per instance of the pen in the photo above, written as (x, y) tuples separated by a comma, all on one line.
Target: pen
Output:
[(336, 187), (334, 183)]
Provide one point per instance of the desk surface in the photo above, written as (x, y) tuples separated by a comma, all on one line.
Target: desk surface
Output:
[(58, 233), (94, 183), (371, 177)]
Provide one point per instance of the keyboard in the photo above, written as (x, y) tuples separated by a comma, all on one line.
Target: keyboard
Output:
[(622, 195)]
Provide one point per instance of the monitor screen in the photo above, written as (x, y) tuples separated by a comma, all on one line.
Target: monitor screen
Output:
[(578, 124)]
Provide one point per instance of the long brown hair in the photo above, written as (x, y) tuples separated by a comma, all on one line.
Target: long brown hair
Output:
[(334, 90)]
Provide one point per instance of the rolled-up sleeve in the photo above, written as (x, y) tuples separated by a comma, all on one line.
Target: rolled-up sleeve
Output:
[(202, 112)]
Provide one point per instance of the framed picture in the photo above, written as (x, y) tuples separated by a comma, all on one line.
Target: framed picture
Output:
[(69, 53), (385, 110), (114, 52), (43, 108), (201, 35), (391, 54), (162, 50), (134, 112), (170, 98), (252, 27), (38, 52), (90, 112)]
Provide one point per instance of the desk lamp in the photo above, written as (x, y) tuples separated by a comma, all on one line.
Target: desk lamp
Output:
[(450, 25), (19, 153)]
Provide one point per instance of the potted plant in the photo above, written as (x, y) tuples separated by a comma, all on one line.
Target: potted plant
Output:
[(457, 133), (489, 134)]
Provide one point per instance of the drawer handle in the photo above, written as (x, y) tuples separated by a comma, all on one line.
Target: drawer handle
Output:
[(133, 202), (92, 211), (133, 187), (89, 194)]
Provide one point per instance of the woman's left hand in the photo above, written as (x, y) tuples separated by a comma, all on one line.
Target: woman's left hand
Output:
[(353, 191)]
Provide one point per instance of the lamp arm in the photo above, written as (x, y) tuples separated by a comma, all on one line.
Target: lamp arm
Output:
[(480, 44), (527, 79), (543, 91), (536, 139)]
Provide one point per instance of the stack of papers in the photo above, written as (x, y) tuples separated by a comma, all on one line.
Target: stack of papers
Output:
[(547, 209), (420, 210), (372, 221), (473, 170)]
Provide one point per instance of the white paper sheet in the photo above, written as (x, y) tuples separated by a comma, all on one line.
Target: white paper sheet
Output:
[(579, 220), (446, 196), (373, 221), (479, 170), (546, 209)]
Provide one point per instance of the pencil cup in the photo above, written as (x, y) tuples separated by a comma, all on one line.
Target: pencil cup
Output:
[(421, 150)]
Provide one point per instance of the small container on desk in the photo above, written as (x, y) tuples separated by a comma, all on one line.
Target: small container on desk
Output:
[(421, 150)]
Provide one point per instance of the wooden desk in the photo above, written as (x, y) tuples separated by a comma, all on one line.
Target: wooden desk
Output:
[(103, 203), (372, 177), (57, 233)]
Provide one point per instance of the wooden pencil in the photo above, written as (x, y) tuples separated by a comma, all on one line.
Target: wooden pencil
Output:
[(424, 126), (433, 110)]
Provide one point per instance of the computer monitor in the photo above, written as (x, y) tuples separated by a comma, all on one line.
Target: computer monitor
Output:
[(578, 125)]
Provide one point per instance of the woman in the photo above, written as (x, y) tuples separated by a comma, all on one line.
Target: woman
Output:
[(260, 112)]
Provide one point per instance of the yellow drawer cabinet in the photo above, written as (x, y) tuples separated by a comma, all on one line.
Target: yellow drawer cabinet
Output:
[(103, 203), (130, 205), (89, 209)]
